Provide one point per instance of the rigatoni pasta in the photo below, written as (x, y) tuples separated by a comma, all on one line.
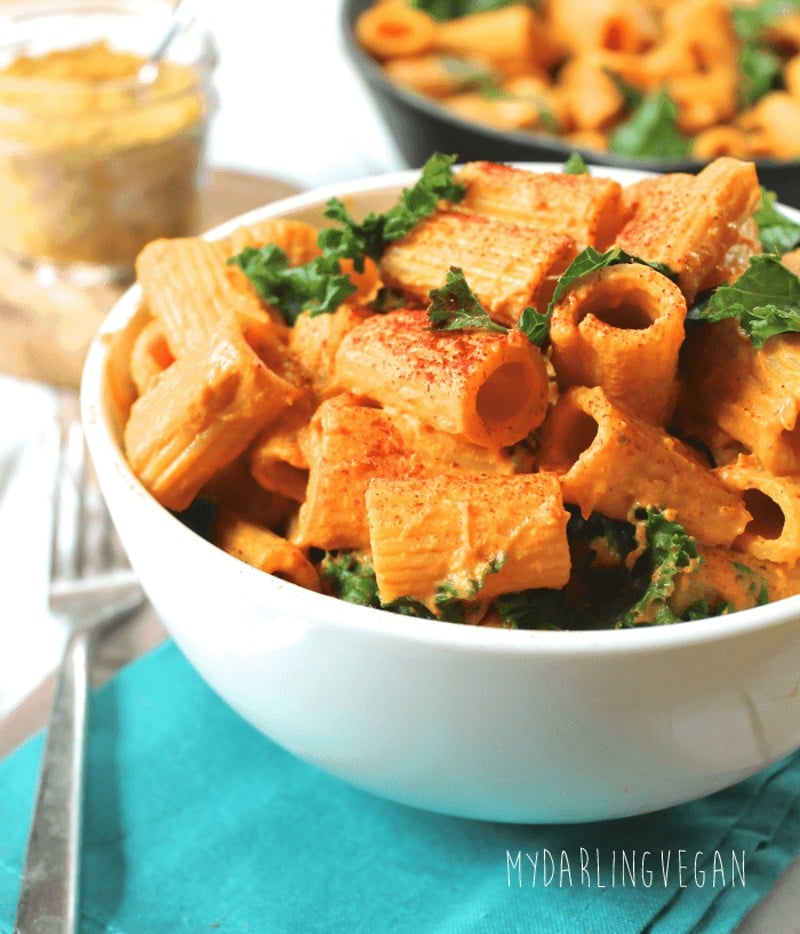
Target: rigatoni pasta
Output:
[(486, 534), (589, 210), (350, 442), (603, 329), (531, 405), (753, 395), (773, 533), (489, 389), (610, 461), (508, 265), (264, 549), (392, 28), (698, 226), (200, 415)]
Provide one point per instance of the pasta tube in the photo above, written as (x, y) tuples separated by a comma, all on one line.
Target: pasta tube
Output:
[(707, 98), (699, 226), (314, 340), (588, 209), (791, 260), (720, 141), (773, 534), (791, 75), (510, 40), (589, 93), (440, 452), (506, 113), (432, 74), (348, 443), (774, 125), (477, 535), (619, 25), (610, 462), (753, 395), (490, 388), (185, 284), (200, 415), (150, 356), (508, 266), (233, 489), (297, 239), (263, 549), (650, 70), (725, 581), (784, 30), (710, 94), (390, 29), (278, 459), (612, 321)]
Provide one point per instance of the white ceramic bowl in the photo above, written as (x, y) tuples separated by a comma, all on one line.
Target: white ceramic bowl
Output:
[(535, 727)]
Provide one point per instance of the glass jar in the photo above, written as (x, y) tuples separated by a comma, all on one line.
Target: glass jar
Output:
[(95, 162)]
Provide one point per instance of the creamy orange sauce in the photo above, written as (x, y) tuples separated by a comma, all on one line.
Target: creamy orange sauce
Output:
[(93, 164)]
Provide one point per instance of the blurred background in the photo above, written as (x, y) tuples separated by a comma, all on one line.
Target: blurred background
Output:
[(291, 105), (291, 114)]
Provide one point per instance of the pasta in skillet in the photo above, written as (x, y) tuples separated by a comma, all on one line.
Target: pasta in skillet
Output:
[(644, 80), (475, 408)]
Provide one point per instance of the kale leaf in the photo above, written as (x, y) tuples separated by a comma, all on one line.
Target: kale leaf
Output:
[(750, 22), (536, 326), (590, 260), (616, 537), (370, 237), (352, 579), (443, 10), (575, 165), (542, 609), (671, 551), (320, 286), (455, 307), (756, 584), (633, 566), (760, 69), (632, 96), (765, 299), (623, 576), (651, 131), (778, 234), (760, 64)]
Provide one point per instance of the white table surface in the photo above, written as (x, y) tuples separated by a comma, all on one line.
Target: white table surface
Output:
[(291, 107)]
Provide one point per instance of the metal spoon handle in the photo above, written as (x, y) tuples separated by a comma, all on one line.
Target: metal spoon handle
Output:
[(181, 16)]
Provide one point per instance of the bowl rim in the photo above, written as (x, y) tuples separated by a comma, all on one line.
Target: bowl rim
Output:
[(373, 74), (106, 452)]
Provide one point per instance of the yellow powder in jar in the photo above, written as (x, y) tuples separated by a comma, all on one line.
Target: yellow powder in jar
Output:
[(94, 164)]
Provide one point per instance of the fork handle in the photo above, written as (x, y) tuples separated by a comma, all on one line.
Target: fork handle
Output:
[(49, 891)]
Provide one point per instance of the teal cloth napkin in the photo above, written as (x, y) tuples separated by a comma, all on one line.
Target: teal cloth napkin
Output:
[(194, 821)]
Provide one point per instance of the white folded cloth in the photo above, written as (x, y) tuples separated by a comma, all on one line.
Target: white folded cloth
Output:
[(31, 639)]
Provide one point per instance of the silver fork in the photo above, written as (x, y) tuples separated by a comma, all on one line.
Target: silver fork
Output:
[(91, 587)]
